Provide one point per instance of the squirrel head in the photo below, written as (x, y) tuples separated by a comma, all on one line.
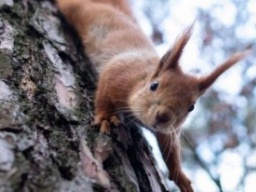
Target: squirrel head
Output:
[(163, 102)]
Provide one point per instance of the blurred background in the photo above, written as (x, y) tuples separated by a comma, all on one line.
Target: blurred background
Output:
[(219, 137)]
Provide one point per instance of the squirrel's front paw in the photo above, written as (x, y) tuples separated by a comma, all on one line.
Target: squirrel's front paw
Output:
[(184, 183), (186, 188), (105, 124)]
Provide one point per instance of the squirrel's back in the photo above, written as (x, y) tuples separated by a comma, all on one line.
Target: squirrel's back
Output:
[(107, 29), (66, 6)]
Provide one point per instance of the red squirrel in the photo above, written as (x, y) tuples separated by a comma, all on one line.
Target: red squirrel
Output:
[(134, 79)]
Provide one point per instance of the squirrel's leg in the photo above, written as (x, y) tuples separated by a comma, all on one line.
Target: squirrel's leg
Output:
[(171, 155), (105, 110), (122, 5)]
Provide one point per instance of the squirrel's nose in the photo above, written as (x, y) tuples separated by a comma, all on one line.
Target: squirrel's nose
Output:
[(162, 117)]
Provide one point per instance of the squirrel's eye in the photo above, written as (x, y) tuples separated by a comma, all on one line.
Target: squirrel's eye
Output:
[(191, 108), (154, 86)]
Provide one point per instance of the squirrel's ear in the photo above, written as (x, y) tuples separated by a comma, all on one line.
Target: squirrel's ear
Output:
[(171, 58), (207, 81)]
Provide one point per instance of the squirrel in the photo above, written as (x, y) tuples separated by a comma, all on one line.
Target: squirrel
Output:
[(134, 79)]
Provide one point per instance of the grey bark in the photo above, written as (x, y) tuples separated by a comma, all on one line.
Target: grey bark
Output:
[(47, 142)]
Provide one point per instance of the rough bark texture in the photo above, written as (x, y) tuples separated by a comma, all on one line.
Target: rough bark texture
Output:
[(46, 108)]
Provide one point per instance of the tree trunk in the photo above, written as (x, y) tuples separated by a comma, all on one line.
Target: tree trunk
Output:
[(47, 142)]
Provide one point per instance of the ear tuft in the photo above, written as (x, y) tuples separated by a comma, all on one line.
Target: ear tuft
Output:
[(172, 57), (207, 81)]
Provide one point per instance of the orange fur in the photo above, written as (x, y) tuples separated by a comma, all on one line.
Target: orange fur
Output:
[(132, 77)]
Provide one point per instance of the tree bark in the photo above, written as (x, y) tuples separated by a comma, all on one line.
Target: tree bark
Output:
[(47, 142)]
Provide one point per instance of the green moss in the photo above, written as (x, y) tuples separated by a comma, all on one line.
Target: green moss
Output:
[(5, 64), (121, 180), (66, 157), (44, 179), (21, 166)]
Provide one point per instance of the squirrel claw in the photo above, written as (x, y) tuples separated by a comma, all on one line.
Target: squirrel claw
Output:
[(115, 120), (186, 188), (184, 183), (105, 125)]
